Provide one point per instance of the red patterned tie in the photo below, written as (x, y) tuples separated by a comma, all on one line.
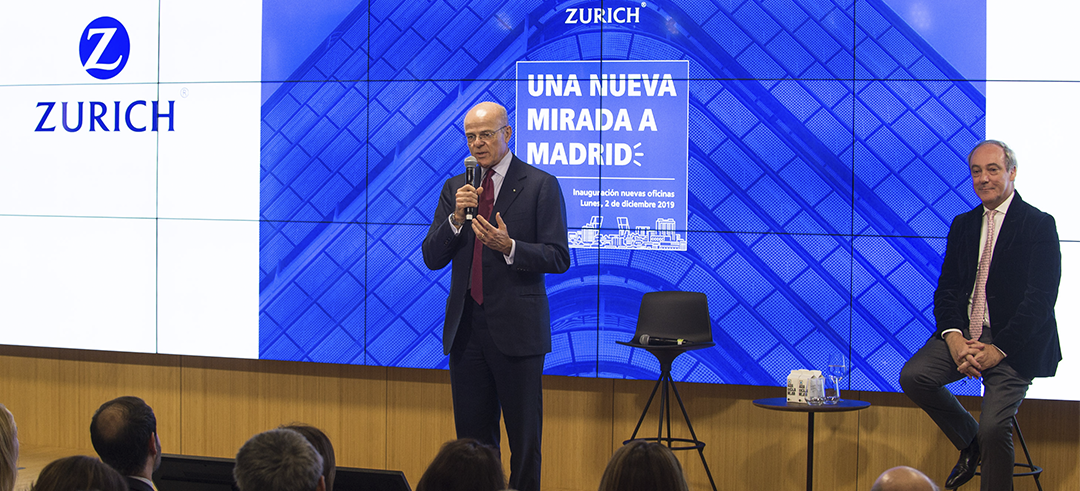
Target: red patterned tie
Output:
[(487, 201), (978, 299)]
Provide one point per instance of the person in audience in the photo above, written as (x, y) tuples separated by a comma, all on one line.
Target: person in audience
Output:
[(124, 434), (279, 460), (642, 465), (322, 444), (9, 450), (79, 473), (903, 478), (464, 465)]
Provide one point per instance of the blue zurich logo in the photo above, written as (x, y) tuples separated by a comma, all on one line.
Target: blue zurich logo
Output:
[(104, 48)]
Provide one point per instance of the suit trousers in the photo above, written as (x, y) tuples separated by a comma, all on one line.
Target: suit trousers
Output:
[(923, 379), (484, 382)]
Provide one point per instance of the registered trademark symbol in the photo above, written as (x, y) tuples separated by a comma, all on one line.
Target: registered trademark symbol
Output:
[(643, 5), (184, 92)]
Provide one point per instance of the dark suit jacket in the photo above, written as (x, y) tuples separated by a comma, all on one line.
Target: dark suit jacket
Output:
[(137, 485), (515, 296), (1021, 287)]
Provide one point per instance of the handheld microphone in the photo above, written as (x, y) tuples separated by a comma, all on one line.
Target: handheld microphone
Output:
[(655, 341), (470, 177)]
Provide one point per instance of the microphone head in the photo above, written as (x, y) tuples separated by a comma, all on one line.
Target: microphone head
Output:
[(470, 161), (644, 339)]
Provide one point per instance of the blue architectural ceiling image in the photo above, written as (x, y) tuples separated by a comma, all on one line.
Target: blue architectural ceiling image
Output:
[(825, 147)]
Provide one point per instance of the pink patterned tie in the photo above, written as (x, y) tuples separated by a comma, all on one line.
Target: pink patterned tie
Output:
[(978, 299)]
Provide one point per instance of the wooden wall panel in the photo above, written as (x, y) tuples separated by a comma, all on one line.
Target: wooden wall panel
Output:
[(899, 433), (227, 401), (578, 438), (53, 393), (398, 419), (836, 447), (419, 419), (746, 447), (896, 432), (744, 443), (1052, 432)]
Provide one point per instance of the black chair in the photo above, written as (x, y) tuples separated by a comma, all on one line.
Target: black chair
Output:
[(670, 324), (1032, 469)]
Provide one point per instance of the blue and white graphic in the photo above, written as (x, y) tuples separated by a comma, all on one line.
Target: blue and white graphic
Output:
[(104, 48), (822, 160), (615, 134), (820, 146)]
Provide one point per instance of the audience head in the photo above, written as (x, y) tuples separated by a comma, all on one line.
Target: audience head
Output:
[(464, 465), (903, 479), (79, 473), (124, 434), (322, 444), (643, 466), (9, 450), (278, 460)]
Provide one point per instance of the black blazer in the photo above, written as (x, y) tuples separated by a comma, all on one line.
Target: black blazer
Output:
[(1021, 287), (137, 485), (515, 296)]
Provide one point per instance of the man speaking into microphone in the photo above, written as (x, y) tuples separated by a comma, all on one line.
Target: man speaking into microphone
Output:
[(498, 324)]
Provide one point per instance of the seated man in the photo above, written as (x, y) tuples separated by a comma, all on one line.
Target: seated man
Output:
[(124, 434), (994, 308), (322, 444), (278, 460)]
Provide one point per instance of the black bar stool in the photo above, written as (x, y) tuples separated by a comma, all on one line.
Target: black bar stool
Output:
[(1032, 469), (670, 324)]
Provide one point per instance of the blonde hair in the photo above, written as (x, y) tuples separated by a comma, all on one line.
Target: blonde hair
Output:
[(9, 451)]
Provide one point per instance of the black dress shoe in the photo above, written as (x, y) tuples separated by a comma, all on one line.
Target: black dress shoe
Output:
[(965, 467)]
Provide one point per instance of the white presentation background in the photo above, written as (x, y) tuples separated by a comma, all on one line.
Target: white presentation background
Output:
[(1032, 100), (208, 292), (99, 173), (41, 41), (123, 240), (83, 283)]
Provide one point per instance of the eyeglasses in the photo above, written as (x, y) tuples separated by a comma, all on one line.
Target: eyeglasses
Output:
[(483, 135)]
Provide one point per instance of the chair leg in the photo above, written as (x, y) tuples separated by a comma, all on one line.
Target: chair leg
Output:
[(667, 385), (1033, 470), (665, 410), (701, 448), (646, 411)]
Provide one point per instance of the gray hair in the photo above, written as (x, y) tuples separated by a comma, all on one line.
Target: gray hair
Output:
[(1010, 156), (278, 460)]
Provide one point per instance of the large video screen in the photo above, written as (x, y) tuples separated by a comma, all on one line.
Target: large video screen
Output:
[(254, 179)]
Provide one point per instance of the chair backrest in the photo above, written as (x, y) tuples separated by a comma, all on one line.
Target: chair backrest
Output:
[(675, 314)]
